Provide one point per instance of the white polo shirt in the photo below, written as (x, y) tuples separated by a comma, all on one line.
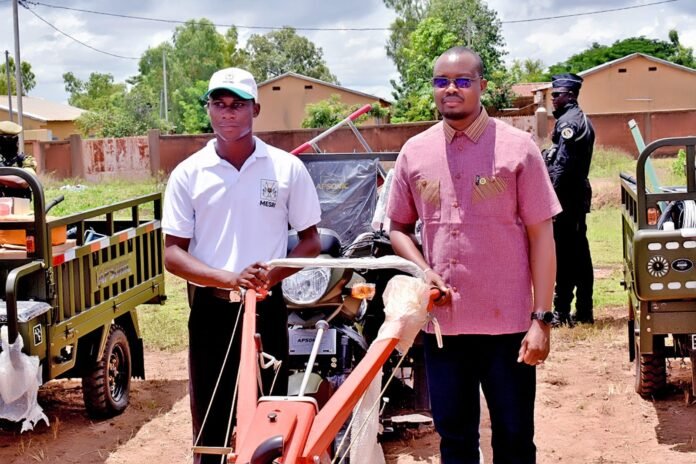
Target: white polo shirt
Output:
[(235, 218)]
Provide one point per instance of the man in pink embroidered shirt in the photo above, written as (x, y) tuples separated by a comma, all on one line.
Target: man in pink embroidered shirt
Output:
[(481, 190)]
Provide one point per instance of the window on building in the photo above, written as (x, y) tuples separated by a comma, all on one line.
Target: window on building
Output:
[(308, 87), (652, 68), (276, 88), (622, 70)]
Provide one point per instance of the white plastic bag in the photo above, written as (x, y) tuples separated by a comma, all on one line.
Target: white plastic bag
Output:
[(405, 310), (365, 426), (20, 378)]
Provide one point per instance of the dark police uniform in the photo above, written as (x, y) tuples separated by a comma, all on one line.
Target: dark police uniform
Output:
[(568, 163), (10, 156)]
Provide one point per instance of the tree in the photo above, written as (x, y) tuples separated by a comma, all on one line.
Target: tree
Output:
[(197, 50), (194, 53), (329, 112), (414, 100), (281, 51), (410, 12), (599, 54), (499, 94), (194, 118), (528, 70), (113, 111), (682, 55), (424, 30), (28, 78), (99, 92), (133, 115)]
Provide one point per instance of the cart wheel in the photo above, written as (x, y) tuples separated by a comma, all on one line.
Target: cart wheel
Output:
[(651, 375), (106, 389)]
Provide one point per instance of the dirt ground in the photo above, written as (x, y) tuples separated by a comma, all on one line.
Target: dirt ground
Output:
[(587, 412)]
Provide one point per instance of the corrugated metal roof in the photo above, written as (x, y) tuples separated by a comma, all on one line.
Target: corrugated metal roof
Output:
[(42, 110)]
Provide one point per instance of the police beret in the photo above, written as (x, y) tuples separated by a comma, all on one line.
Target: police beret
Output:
[(9, 128), (566, 81)]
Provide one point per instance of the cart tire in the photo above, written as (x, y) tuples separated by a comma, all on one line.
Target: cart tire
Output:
[(651, 375), (106, 389)]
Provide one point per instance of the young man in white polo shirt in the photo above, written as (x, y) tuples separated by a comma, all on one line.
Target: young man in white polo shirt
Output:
[(226, 212)]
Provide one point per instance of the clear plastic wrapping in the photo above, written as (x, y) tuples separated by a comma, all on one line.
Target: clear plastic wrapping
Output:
[(20, 378)]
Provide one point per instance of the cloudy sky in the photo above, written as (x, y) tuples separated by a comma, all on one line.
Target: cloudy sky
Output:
[(357, 58)]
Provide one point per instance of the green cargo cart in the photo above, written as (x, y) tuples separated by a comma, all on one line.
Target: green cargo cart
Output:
[(74, 304)]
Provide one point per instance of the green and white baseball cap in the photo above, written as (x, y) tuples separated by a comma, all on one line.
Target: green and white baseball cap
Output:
[(237, 81)]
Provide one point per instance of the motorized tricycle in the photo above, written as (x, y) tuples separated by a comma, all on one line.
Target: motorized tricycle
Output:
[(73, 300), (659, 250)]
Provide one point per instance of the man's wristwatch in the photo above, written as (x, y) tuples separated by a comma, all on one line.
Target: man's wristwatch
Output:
[(544, 316)]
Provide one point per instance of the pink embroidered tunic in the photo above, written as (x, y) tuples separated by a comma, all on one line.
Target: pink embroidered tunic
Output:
[(475, 191)]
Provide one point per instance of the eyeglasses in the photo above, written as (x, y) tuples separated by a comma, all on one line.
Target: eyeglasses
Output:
[(557, 94), (220, 105), (459, 82)]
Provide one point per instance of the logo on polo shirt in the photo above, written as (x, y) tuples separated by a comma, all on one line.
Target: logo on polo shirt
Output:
[(269, 193)]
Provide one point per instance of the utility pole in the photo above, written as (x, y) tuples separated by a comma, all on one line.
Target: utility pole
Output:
[(18, 74), (9, 83), (468, 32), (164, 79)]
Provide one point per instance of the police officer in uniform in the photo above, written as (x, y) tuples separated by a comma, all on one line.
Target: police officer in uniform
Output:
[(568, 162), (12, 186)]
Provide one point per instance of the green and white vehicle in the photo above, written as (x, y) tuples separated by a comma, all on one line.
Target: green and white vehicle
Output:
[(659, 250)]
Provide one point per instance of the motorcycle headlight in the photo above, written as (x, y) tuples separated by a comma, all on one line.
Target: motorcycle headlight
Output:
[(306, 286)]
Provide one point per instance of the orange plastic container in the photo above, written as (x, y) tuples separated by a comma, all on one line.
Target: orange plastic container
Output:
[(19, 236)]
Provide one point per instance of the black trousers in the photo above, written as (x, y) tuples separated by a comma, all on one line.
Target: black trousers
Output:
[(211, 324), (573, 265), (456, 372)]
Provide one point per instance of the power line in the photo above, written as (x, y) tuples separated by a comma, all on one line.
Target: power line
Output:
[(239, 26), (24, 3), (587, 13), (79, 41)]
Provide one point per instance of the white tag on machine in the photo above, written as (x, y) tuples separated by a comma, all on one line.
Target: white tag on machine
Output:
[(302, 340)]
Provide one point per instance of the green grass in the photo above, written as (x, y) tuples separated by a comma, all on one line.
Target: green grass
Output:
[(604, 224), (95, 194), (164, 327), (604, 235), (608, 163)]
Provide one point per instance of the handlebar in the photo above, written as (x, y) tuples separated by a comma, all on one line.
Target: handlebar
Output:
[(437, 297), (42, 247), (650, 199), (54, 202), (352, 117)]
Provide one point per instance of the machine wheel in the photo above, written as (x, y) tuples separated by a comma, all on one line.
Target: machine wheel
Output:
[(106, 389), (651, 375)]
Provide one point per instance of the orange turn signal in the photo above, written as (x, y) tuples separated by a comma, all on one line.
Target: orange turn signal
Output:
[(363, 291)]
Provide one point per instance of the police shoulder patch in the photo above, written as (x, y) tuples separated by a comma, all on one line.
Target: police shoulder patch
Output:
[(567, 133)]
